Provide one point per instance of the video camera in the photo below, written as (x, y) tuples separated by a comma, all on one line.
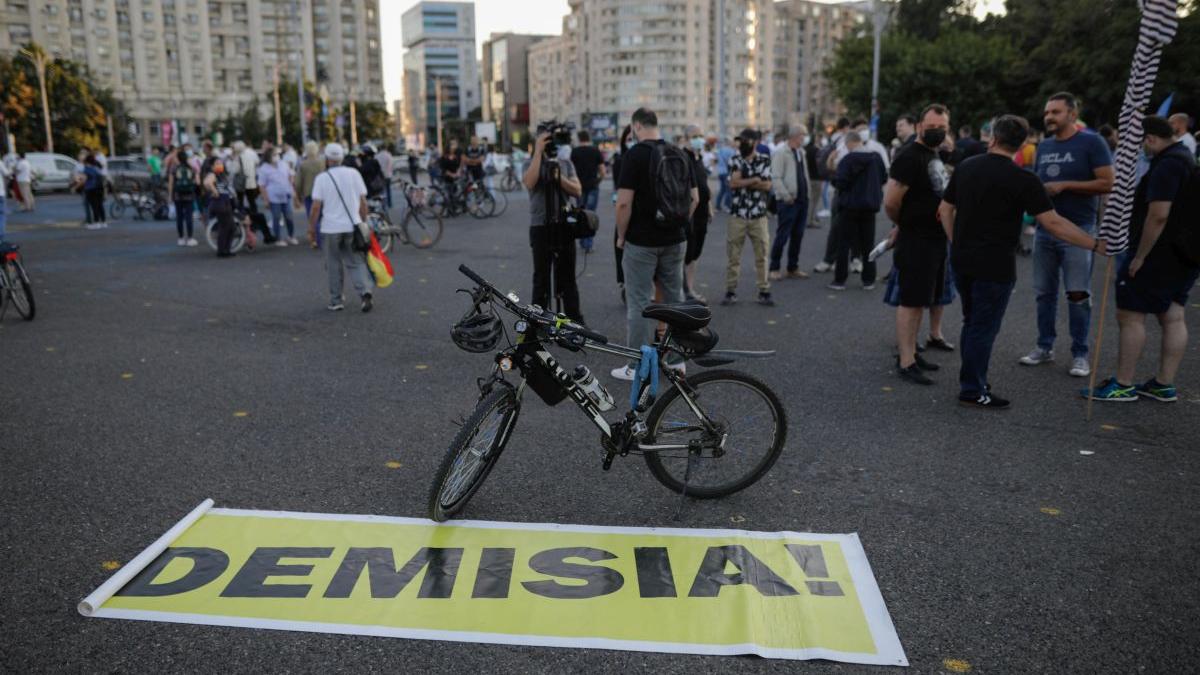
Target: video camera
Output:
[(560, 134)]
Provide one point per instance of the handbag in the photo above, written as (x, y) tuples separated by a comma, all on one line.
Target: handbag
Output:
[(581, 223)]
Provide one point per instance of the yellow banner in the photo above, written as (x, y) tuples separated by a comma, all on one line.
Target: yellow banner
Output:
[(776, 594)]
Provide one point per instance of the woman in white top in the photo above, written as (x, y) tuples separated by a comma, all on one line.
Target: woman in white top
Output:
[(25, 183)]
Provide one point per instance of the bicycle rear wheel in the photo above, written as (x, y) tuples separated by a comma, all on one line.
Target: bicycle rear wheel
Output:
[(382, 230), (437, 201), (20, 290), (481, 204), (473, 453), (501, 202), (116, 209), (745, 411), (422, 227)]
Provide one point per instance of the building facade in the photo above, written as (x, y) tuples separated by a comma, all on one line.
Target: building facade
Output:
[(675, 56), (439, 43), (506, 83), (179, 65)]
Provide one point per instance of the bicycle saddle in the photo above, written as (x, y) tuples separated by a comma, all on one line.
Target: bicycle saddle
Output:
[(680, 315)]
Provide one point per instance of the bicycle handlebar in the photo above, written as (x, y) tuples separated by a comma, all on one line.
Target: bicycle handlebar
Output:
[(525, 312)]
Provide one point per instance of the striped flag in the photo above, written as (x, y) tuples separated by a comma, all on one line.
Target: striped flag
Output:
[(1158, 24)]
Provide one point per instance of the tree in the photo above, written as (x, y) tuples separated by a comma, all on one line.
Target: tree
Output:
[(289, 110), (372, 117), (77, 108), (252, 127)]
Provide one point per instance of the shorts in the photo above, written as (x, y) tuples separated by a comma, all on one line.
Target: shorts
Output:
[(920, 277), (1157, 284)]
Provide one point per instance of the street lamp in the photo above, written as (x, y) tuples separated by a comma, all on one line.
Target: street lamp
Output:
[(38, 58)]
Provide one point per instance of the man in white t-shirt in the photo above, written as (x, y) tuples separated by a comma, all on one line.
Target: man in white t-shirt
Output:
[(25, 182), (1179, 125), (339, 203)]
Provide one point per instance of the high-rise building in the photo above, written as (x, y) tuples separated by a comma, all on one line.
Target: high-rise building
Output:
[(439, 42), (618, 55), (179, 65), (506, 83)]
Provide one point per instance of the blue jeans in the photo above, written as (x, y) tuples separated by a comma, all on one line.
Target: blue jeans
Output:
[(588, 201), (642, 265), (282, 210), (183, 217), (724, 194), (983, 306), (1053, 259), (388, 192), (789, 232)]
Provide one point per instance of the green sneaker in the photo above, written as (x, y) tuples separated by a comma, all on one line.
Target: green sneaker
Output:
[(1157, 391), (1110, 390)]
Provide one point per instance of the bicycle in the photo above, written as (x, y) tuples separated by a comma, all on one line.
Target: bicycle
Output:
[(462, 196), (420, 228), (684, 435), (509, 181), (14, 283)]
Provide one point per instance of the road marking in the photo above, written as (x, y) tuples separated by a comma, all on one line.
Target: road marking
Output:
[(771, 322), (240, 413), (1087, 452), (1050, 511), (956, 665), (392, 464), (887, 388), (110, 565), (126, 376), (797, 492), (1108, 427), (422, 366)]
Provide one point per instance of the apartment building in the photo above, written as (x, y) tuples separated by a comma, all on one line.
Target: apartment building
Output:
[(674, 56), (506, 83), (179, 65)]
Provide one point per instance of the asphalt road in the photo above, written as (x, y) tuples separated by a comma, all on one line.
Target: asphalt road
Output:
[(994, 539)]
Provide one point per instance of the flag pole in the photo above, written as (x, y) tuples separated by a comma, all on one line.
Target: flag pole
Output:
[(1099, 336)]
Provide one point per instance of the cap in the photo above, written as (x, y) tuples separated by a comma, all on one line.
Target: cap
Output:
[(335, 152)]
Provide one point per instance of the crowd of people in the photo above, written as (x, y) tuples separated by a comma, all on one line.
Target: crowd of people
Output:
[(962, 208)]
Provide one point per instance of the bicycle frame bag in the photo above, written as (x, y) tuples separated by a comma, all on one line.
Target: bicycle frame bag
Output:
[(541, 380)]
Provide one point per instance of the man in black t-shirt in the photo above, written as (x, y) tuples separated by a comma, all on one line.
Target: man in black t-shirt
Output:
[(653, 248), (473, 159), (1153, 277), (918, 178), (981, 212), (451, 165), (589, 166)]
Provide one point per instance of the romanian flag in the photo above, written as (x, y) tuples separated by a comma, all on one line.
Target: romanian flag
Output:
[(380, 266)]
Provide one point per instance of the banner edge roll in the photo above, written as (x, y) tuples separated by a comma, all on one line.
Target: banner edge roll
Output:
[(89, 605)]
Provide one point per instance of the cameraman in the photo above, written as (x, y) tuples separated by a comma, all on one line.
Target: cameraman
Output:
[(550, 180)]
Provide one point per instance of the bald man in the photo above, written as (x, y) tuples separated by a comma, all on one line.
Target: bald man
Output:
[(1179, 125)]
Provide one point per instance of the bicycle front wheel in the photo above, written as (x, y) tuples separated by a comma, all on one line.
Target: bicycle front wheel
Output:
[(116, 209), (481, 205), (19, 288), (501, 202), (422, 227), (473, 453), (750, 428)]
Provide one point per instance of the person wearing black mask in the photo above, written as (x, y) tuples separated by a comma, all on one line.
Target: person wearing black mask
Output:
[(750, 178), (918, 180)]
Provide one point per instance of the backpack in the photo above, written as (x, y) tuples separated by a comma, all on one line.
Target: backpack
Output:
[(185, 181), (823, 156), (1184, 220), (671, 171)]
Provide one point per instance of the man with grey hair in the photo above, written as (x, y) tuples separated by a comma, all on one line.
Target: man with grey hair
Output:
[(790, 184), (339, 203), (1179, 125)]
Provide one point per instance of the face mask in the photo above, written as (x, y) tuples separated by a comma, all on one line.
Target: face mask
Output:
[(746, 147), (218, 170), (933, 137), (698, 144)]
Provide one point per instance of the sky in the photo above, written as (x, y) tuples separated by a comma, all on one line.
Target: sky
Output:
[(491, 16), (498, 16)]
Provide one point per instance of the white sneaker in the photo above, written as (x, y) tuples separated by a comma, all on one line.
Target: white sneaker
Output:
[(822, 267), (181, 242), (1080, 367), (1037, 357), (281, 242), (293, 241), (92, 226), (624, 373), (192, 242), (856, 266)]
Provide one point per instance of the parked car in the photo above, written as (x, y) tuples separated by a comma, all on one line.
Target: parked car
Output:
[(126, 171), (51, 171)]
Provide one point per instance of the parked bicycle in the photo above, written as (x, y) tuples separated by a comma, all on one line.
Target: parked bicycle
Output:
[(509, 180), (707, 436), (14, 283), (420, 227), (462, 196)]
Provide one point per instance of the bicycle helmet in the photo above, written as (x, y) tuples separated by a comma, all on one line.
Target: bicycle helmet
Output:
[(367, 149), (477, 333)]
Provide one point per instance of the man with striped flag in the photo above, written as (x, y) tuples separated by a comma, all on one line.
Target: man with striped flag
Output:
[(1157, 283)]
